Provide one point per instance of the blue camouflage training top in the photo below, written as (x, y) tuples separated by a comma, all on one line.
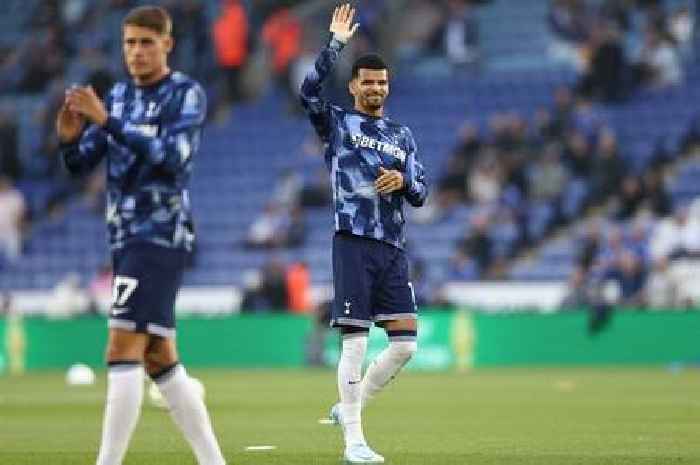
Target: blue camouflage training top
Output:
[(357, 146), (150, 138)]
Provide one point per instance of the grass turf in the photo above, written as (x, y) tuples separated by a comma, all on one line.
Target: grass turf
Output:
[(515, 416)]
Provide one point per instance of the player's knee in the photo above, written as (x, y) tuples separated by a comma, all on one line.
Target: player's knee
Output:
[(117, 352), (152, 366), (157, 361), (404, 350)]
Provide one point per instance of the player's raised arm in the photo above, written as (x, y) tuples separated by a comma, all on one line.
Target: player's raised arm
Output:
[(415, 188), (342, 28), (81, 148)]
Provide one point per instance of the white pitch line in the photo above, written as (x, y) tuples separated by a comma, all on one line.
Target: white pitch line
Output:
[(325, 421), (260, 448)]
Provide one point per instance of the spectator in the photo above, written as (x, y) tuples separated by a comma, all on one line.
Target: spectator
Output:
[(660, 290), (477, 246), (288, 188), (681, 26), (659, 64), (460, 34), (657, 198), (298, 288), (667, 236), (629, 277), (608, 168), (10, 166), (604, 70), (274, 285), (569, 22), (230, 36), (468, 145), (578, 293), (278, 227), (282, 34), (12, 215), (263, 231), (578, 155), (630, 198), (548, 176), (486, 179), (294, 233), (611, 251), (589, 246), (452, 185), (561, 113)]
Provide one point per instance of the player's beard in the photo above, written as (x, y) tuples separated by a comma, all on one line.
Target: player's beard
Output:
[(375, 103)]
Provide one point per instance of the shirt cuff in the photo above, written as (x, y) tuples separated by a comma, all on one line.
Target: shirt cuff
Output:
[(336, 44), (68, 145), (114, 127)]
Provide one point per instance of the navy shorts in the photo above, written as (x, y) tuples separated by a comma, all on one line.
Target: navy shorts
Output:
[(146, 280), (371, 282)]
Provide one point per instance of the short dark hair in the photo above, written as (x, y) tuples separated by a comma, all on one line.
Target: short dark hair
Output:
[(368, 61), (150, 17)]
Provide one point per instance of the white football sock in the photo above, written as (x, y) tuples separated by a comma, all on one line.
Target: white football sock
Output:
[(349, 379), (122, 408), (385, 367), (190, 414)]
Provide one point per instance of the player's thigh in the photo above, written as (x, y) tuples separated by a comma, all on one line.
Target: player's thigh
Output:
[(393, 298), (351, 283), (125, 345)]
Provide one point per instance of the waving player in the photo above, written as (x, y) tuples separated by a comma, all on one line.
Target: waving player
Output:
[(374, 170), (148, 130)]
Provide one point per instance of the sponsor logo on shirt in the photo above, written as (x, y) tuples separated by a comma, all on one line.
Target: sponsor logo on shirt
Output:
[(362, 141), (148, 130)]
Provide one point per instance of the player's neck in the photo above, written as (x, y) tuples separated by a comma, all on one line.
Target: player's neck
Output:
[(375, 113), (152, 78)]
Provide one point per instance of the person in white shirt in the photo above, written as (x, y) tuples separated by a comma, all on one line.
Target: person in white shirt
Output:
[(12, 211)]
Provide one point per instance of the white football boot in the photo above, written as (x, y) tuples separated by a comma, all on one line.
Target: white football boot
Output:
[(361, 453)]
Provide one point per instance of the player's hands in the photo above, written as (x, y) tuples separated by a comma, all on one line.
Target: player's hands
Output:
[(69, 125), (84, 101), (388, 181), (341, 25)]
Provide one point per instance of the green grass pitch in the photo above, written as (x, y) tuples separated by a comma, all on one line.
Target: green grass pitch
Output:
[(505, 417)]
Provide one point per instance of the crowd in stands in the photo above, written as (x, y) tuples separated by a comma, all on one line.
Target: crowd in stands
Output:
[(648, 260), (522, 178), (619, 45)]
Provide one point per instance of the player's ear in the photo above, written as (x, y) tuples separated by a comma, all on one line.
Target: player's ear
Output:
[(352, 86), (169, 42)]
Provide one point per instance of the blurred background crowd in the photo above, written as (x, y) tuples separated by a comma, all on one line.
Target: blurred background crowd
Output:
[(561, 139)]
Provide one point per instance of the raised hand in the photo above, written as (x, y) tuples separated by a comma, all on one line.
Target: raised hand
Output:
[(388, 181), (69, 124), (341, 25)]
